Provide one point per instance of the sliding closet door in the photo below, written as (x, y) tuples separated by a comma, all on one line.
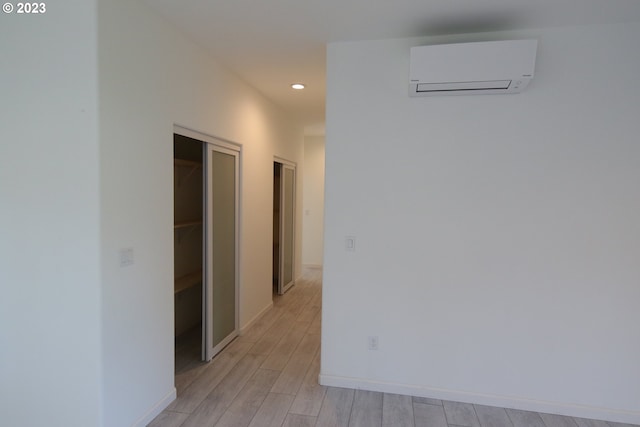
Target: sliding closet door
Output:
[(221, 290), (287, 226)]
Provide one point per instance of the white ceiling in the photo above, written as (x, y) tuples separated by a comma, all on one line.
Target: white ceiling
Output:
[(273, 43)]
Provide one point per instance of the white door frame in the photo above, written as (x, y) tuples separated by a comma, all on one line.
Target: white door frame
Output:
[(286, 164), (227, 147), (211, 349)]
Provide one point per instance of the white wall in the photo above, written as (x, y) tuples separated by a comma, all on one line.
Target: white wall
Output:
[(313, 193), (497, 253), (150, 79), (49, 207), (90, 342)]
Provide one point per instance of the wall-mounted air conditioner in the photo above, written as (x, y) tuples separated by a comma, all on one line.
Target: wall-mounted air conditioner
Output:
[(495, 67)]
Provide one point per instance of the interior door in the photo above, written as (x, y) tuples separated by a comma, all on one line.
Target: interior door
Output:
[(287, 227), (220, 299)]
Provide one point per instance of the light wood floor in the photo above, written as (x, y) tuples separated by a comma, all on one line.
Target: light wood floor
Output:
[(268, 377)]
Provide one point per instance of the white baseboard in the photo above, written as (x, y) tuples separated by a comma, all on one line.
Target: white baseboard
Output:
[(573, 410), (156, 409), (257, 317)]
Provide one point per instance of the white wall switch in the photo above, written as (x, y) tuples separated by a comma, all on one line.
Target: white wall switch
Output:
[(372, 342), (126, 257)]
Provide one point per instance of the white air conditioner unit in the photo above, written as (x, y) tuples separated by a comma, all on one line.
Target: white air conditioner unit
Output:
[(472, 68)]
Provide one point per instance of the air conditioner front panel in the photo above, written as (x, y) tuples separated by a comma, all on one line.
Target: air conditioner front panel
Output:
[(472, 68)]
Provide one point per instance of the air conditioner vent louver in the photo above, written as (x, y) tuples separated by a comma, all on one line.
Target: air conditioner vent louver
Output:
[(454, 86), (472, 68)]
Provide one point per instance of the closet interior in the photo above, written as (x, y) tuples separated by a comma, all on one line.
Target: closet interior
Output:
[(188, 248)]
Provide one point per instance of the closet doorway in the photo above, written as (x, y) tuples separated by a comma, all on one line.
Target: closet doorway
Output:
[(206, 206), (284, 191)]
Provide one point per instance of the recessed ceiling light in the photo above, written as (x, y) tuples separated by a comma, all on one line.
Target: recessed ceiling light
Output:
[(297, 86)]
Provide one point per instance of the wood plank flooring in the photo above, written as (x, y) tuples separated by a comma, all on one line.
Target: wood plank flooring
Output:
[(269, 378)]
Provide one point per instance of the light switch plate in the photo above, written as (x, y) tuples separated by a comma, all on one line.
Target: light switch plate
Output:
[(126, 257)]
